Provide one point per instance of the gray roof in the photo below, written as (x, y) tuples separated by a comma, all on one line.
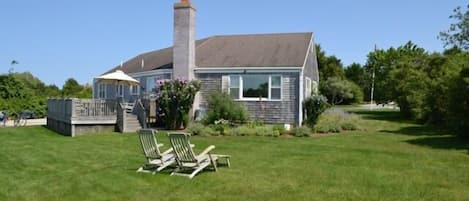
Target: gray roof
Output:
[(231, 51)]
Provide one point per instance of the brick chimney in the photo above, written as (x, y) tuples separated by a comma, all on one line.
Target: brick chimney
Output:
[(184, 40)]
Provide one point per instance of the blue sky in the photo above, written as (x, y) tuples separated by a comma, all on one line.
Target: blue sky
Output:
[(57, 39)]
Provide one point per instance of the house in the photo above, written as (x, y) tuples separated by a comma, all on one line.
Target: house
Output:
[(269, 73)]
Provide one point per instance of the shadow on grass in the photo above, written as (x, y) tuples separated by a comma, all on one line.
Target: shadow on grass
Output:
[(433, 137), (442, 142), (383, 115), (420, 131)]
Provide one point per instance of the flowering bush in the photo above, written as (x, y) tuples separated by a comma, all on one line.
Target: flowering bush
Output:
[(175, 100)]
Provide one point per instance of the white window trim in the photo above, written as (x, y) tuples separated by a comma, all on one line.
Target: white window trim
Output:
[(269, 96)]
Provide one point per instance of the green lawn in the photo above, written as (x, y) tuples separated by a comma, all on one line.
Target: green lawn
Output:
[(390, 160)]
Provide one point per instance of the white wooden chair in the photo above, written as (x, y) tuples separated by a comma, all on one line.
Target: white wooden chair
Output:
[(187, 160), (156, 160)]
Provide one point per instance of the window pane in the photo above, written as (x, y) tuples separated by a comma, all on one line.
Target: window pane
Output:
[(234, 93), (151, 84), (234, 81), (275, 93), (255, 86), (134, 89), (276, 81)]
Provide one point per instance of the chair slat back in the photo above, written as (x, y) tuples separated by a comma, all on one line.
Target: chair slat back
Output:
[(181, 146), (149, 143)]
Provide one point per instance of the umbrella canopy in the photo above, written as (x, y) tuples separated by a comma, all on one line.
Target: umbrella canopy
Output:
[(117, 77)]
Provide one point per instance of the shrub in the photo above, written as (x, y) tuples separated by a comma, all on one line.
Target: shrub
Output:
[(255, 123), (302, 131), (175, 100), (196, 129), (313, 107), (208, 131), (275, 133), (221, 106), (243, 131), (280, 129), (263, 131), (349, 126), (334, 121)]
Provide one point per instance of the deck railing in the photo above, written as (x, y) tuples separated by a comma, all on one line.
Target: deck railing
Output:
[(81, 109)]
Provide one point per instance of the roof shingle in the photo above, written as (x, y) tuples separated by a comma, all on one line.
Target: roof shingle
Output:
[(255, 50)]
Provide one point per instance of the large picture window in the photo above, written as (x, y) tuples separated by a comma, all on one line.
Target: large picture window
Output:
[(255, 87)]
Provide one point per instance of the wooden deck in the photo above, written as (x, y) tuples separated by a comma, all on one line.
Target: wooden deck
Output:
[(74, 116)]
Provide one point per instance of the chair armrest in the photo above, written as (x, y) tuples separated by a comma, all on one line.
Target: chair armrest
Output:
[(159, 145), (206, 151), (167, 151)]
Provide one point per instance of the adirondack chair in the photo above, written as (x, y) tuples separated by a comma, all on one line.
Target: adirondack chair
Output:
[(187, 160), (156, 160)]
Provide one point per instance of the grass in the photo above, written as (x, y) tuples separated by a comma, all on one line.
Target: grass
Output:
[(391, 159)]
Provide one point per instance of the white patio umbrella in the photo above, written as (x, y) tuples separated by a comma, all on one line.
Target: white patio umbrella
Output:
[(117, 77)]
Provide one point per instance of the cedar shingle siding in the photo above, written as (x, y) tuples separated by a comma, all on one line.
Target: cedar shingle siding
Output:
[(272, 112)]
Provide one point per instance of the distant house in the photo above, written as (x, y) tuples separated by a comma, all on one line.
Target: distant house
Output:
[(270, 73)]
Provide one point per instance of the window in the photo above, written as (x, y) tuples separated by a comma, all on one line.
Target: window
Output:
[(234, 87), (120, 90), (307, 88), (152, 84), (134, 89), (255, 87), (102, 90), (276, 87), (314, 87)]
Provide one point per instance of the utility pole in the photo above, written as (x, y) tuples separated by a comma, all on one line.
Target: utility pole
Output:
[(372, 85), (11, 70)]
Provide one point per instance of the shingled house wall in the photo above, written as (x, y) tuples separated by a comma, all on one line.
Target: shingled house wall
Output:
[(271, 112)]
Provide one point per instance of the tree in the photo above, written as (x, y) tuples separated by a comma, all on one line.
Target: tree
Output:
[(458, 33), (336, 90), (14, 96), (86, 92), (71, 88), (459, 103), (354, 72), (31, 82), (329, 66), (382, 62), (52, 91)]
